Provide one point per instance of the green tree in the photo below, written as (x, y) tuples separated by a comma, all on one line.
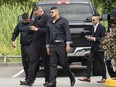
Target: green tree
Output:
[(105, 5)]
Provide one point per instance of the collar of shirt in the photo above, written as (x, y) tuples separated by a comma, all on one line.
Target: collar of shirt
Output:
[(56, 20), (41, 17), (95, 27)]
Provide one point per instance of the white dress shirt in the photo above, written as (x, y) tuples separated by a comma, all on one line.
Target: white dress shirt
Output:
[(95, 28)]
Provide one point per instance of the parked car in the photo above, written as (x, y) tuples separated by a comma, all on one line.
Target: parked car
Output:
[(78, 13)]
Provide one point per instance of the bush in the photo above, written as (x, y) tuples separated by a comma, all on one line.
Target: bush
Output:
[(108, 44)]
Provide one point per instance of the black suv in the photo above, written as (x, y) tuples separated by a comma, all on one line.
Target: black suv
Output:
[(78, 13)]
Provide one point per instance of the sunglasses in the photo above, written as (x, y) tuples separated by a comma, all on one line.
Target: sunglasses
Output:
[(51, 12), (92, 20)]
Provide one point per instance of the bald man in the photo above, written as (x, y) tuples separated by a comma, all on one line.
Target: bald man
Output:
[(98, 32), (38, 48)]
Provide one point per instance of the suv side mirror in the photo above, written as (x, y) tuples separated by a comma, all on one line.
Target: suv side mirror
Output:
[(104, 17), (20, 18)]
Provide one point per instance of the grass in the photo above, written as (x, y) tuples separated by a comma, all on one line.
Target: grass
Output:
[(8, 17)]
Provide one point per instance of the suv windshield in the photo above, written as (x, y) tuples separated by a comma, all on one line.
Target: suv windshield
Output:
[(75, 11)]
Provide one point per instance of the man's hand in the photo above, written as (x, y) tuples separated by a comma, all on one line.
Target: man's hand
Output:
[(90, 38), (48, 50), (67, 48), (13, 44), (33, 28)]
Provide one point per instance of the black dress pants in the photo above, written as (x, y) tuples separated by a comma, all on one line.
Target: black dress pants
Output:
[(37, 50), (25, 58), (58, 55), (92, 56)]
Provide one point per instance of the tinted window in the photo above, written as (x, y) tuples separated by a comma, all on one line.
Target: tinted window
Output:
[(72, 11)]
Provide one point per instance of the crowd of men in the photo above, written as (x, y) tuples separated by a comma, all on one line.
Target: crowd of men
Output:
[(48, 37)]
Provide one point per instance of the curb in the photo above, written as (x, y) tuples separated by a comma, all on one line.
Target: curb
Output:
[(110, 82), (11, 64)]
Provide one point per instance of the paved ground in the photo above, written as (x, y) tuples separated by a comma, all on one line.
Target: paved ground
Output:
[(61, 82), (10, 77)]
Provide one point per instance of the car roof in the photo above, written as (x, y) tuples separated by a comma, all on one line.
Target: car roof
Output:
[(55, 1)]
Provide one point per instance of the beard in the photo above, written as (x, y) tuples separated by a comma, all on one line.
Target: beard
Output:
[(25, 23)]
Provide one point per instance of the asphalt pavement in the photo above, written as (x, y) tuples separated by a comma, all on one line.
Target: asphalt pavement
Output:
[(10, 77)]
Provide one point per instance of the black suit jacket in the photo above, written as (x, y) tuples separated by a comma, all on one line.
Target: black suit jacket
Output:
[(99, 34)]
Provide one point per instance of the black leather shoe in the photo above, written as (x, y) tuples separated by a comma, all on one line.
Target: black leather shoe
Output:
[(45, 84), (72, 79), (50, 85), (25, 83)]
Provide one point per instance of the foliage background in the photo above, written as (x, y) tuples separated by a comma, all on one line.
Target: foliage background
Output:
[(10, 9)]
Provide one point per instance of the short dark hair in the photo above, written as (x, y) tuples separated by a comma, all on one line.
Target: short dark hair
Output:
[(113, 13), (25, 15), (96, 14), (36, 8), (52, 8)]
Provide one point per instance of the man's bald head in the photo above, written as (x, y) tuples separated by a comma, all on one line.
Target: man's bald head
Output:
[(38, 11)]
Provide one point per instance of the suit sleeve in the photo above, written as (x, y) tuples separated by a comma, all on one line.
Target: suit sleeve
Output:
[(102, 33), (47, 36), (15, 33)]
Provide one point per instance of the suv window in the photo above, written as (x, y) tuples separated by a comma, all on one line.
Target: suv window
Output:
[(73, 11)]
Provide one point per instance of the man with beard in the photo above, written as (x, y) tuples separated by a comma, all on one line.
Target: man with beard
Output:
[(38, 48), (58, 41), (26, 37)]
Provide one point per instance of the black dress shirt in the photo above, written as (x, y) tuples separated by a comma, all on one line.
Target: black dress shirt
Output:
[(26, 35), (41, 24), (58, 31)]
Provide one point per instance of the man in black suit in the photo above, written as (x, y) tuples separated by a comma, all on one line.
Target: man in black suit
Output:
[(98, 32), (58, 40)]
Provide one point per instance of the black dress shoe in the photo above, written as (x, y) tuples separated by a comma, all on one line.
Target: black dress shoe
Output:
[(45, 84), (25, 83), (72, 79), (50, 85)]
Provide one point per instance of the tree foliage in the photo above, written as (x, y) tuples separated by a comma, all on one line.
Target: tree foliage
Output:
[(10, 9), (105, 5), (108, 44)]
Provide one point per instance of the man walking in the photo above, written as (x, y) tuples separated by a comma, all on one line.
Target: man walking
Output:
[(38, 47), (26, 36), (98, 32), (58, 40)]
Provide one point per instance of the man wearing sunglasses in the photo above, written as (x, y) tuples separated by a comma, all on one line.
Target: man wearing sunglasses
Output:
[(98, 32), (58, 41)]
